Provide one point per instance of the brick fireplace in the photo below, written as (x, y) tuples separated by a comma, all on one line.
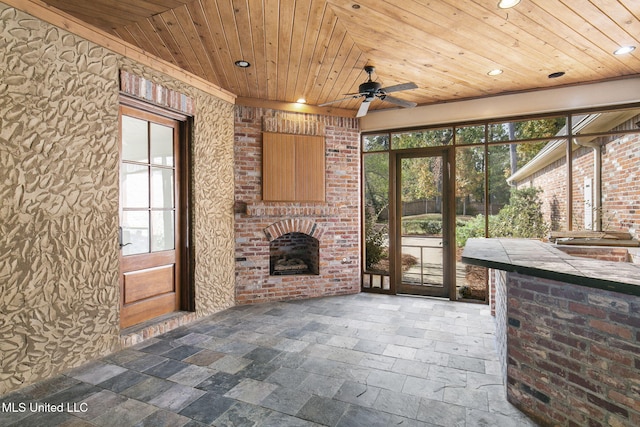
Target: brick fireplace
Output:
[(326, 235)]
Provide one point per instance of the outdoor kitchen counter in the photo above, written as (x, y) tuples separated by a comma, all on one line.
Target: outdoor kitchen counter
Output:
[(539, 259)]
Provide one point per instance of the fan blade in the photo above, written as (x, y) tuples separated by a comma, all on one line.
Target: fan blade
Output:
[(398, 101), (364, 107), (357, 95), (401, 86)]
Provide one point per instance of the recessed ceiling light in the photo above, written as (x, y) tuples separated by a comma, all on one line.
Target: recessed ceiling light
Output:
[(506, 4), (556, 74), (301, 101), (495, 72), (624, 50), (355, 6), (242, 64)]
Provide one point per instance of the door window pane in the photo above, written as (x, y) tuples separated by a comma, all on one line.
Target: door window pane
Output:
[(161, 145), (134, 186), (422, 222), (135, 140), (135, 232), (163, 233), (162, 184)]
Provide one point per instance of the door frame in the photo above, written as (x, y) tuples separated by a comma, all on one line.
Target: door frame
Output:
[(184, 247), (448, 214)]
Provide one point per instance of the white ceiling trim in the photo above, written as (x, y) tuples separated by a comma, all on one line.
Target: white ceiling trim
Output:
[(602, 94)]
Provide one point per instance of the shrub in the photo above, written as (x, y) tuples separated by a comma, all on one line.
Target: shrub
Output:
[(422, 226), (431, 227), (521, 217), (472, 228), (374, 241)]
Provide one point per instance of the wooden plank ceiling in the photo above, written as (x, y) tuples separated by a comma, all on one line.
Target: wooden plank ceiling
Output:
[(316, 49)]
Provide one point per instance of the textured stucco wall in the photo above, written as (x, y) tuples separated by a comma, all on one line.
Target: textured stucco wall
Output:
[(59, 199)]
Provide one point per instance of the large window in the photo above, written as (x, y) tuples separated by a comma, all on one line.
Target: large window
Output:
[(525, 177)]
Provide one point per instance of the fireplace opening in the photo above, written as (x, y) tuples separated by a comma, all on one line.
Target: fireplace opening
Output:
[(294, 253)]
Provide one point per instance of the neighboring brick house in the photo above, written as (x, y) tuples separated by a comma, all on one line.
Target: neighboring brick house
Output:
[(608, 200)]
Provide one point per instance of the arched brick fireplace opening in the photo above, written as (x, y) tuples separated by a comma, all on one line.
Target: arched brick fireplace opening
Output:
[(294, 247), (294, 253)]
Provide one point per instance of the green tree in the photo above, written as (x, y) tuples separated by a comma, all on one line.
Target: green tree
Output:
[(530, 129), (421, 178), (375, 143), (470, 174), (376, 182), (499, 169), (418, 139)]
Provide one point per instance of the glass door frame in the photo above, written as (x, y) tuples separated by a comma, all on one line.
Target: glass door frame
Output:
[(448, 214)]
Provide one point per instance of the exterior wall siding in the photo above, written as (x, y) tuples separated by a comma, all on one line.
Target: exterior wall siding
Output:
[(59, 292)]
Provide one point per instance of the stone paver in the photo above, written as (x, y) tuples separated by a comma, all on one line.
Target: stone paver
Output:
[(359, 360)]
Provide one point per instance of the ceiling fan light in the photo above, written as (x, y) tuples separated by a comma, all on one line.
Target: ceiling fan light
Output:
[(506, 4), (623, 50)]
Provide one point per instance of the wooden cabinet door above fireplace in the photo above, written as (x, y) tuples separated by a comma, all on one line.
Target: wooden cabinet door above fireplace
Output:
[(293, 168)]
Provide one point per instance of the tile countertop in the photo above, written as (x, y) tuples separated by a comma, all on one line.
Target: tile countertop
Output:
[(539, 259)]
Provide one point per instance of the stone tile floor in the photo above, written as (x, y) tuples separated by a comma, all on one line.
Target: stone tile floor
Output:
[(358, 360)]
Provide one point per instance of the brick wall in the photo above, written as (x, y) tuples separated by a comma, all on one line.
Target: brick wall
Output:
[(336, 223), (553, 181), (620, 177), (620, 191), (573, 353)]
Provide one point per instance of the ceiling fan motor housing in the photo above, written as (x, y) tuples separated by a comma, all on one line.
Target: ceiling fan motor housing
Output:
[(369, 89)]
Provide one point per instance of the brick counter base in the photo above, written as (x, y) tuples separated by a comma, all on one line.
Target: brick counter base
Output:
[(573, 353)]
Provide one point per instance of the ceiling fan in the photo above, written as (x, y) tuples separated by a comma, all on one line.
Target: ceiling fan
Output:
[(371, 90)]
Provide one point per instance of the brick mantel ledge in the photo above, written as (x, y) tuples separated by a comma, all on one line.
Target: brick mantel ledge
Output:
[(280, 209)]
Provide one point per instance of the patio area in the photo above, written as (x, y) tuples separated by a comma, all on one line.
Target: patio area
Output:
[(357, 360)]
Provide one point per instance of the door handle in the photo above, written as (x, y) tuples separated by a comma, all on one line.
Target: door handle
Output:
[(122, 245)]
